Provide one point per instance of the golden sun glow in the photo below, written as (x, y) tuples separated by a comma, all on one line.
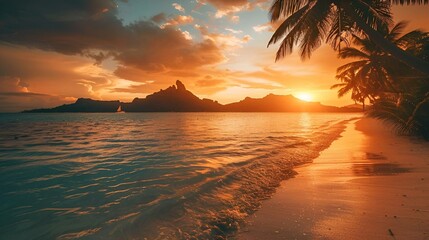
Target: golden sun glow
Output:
[(304, 96)]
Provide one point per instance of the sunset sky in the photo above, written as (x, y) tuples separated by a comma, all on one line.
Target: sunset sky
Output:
[(54, 53)]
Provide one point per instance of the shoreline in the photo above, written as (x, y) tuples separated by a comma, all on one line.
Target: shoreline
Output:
[(369, 184)]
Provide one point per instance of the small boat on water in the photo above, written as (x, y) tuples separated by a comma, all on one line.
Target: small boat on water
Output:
[(119, 110)]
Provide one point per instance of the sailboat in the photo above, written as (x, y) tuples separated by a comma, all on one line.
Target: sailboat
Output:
[(119, 110)]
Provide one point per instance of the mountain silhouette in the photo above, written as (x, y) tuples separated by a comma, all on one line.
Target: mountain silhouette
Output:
[(177, 98), (278, 103), (173, 99), (83, 105)]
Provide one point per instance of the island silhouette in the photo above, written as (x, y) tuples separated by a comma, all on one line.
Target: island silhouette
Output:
[(177, 98)]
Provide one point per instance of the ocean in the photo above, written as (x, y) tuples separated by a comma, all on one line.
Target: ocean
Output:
[(148, 175)]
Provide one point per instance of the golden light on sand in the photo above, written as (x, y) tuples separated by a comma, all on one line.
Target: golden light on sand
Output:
[(304, 96)]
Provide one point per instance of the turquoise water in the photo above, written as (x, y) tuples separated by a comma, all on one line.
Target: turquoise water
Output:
[(148, 175)]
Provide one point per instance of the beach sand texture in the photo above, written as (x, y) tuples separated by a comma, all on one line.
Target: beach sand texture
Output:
[(369, 184)]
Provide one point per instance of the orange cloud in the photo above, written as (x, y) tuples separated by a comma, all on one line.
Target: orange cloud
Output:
[(225, 7), (178, 20), (29, 73), (12, 84), (230, 7), (15, 96), (223, 41)]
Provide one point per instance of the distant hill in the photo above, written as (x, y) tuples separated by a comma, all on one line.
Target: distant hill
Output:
[(356, 106), (278, 103), (177, 98), (82, 105)]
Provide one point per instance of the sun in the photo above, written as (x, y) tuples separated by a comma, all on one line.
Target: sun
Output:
[(304, 96)]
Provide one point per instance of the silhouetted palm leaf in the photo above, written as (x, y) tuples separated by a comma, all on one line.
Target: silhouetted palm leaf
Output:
[(409, 115), (408, 2), (308, 23)]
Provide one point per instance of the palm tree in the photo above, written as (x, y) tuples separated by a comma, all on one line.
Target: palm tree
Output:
[(376, 69), (375, 74), (308, 23), (354, 84)]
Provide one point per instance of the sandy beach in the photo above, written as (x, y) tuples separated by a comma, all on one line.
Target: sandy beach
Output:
[(369, 184)]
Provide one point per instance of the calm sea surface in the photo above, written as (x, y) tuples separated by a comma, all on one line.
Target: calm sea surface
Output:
[(148, 175)]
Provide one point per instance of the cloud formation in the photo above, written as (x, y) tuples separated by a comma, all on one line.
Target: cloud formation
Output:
[(178, 20), (48, 78), (263, 27), (178, 7), (92, 29), (233, 30), (230, 7), (222, 40), (12, 84), (67, 27), (15, 96)]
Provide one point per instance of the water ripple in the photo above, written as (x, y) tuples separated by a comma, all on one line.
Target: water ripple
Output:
[(130, 176)]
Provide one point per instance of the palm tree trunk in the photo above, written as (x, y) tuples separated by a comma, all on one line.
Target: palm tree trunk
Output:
[(398, 53)]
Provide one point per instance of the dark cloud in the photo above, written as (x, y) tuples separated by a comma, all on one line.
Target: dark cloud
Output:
[(169, 49), (92, 28), (32, 70), (69, 27), (159, 18)]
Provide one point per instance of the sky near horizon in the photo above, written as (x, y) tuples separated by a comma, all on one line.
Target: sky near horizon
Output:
[(53, 52)]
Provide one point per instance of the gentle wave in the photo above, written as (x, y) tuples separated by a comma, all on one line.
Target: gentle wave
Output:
[(152, 175)]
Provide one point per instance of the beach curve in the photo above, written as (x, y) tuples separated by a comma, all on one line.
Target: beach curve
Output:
[(370, 184)]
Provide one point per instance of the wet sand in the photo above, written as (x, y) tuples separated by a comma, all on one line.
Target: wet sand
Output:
[(369, 184)]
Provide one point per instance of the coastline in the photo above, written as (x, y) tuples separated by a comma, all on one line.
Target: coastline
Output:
[(369, 184)]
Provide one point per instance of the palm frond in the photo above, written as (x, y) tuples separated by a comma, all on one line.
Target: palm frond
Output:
[(412, 39), (408, 2), (314, 36), (396, 31), (304, 28), (338, 85), (408, 114), (352, 66), (285, 8), (340, 30), (350, 52), (375, 13), (288, 24)]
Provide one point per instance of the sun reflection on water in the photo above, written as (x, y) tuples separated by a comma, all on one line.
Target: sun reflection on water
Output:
[(98, 172)]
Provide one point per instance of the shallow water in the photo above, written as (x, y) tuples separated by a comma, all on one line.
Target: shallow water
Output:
[(148, 175)]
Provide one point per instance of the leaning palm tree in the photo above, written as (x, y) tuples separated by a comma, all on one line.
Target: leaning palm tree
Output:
[(408, 114), (308, 23)]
